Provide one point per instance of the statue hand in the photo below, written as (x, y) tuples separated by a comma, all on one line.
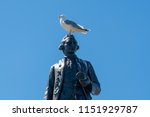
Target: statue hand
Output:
[(83, 79)]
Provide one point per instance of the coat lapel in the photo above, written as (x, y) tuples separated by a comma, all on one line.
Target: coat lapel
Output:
[(58, 78)]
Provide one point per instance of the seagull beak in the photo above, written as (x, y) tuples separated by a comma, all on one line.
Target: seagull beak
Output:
[(61, 16)]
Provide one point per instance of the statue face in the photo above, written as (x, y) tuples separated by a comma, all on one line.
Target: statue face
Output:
[(70, 47)]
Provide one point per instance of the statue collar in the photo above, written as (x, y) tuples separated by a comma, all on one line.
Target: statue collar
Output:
[(73, 57)]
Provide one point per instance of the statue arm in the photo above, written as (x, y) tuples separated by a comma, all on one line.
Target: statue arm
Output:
[(50, 85), (95, 85)]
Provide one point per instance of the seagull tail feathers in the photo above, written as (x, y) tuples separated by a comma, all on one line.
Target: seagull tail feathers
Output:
[(85, 31)]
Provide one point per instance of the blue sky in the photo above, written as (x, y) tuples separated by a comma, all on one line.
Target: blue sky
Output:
[(118, 45)]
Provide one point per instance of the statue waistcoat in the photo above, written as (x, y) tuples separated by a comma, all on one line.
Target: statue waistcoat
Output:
[(59, 79)]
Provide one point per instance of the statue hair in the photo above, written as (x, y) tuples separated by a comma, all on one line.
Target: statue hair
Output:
[(61, 46)]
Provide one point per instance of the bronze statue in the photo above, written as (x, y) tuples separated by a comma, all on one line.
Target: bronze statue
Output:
[(71, 78)]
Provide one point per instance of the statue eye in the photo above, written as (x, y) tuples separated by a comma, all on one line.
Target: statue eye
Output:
[(75, 43), (69, 43)]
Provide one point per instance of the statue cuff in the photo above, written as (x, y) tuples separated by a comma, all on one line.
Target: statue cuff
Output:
[(95, 89)]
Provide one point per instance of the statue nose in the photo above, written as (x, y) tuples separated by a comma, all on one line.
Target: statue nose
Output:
[(71, 44)]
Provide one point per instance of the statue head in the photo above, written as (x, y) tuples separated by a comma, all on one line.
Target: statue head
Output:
[(69, 45)]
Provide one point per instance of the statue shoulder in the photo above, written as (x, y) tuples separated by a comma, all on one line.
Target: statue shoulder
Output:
[(59, 64), (85, 62)]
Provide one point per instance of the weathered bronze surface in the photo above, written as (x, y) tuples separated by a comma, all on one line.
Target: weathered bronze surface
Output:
[(71, 78)]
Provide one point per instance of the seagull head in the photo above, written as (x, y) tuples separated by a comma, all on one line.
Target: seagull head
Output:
[(62, 17)]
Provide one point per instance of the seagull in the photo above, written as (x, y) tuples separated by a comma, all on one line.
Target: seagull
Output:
[(71, 26)]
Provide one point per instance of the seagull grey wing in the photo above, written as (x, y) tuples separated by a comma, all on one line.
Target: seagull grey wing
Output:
[(73, 24)]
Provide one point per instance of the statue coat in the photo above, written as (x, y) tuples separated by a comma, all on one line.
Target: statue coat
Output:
[(56, 77)]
